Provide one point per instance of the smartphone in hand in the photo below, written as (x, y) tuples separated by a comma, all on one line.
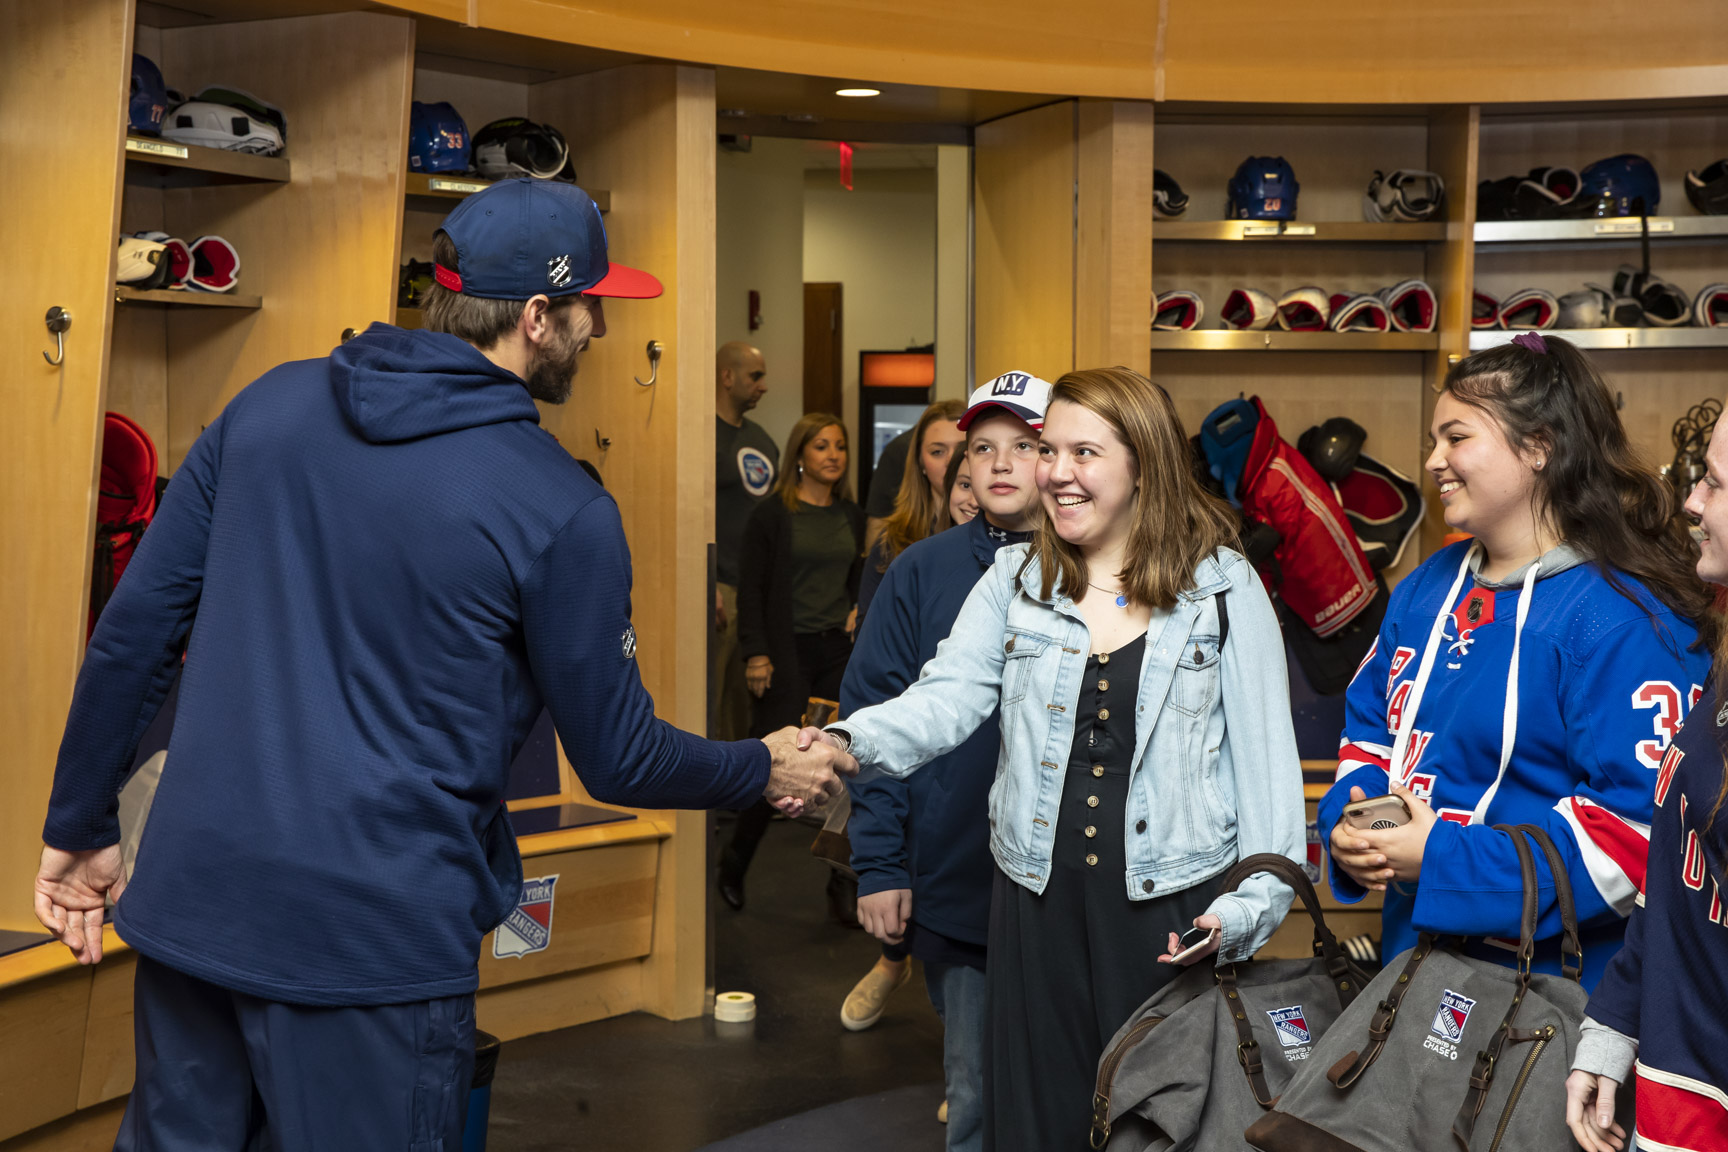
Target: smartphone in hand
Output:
[(1378, 812), (1192, 942)]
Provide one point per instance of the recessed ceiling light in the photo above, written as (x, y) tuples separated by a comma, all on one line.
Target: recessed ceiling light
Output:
[(857, 92)]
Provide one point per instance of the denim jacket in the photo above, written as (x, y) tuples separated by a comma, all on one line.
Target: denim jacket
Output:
[(1215, 774)]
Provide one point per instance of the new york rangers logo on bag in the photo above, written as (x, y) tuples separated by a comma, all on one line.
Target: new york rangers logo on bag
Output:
[(528, 928), (1291, 1025), (1454, 1011)]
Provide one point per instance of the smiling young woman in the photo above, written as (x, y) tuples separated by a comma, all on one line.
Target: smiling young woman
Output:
[(1535, 673), (1145, 744)]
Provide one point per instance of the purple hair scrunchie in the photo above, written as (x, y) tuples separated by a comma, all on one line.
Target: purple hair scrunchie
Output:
[(1532, 341)]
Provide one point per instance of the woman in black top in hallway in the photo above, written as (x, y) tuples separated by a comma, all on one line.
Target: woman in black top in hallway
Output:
[(799, 566)]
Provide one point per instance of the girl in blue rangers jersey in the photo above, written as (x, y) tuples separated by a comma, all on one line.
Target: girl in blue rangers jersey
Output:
[(1535, 674)]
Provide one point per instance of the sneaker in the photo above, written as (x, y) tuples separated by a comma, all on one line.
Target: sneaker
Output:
[(942, 1113), (869, 997)]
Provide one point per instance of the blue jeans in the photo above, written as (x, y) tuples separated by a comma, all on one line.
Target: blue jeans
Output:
[(957, 993)]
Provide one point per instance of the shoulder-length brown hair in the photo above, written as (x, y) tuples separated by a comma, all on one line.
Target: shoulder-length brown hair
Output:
[(917, 512), (1176, 523), (806, 430)]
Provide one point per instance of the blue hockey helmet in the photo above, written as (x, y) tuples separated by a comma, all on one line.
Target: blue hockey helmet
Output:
[(1623, 185), (437, 139), (149, 97), (1264, 188)]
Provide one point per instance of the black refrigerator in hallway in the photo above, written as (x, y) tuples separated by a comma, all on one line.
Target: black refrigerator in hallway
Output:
[(894, 388)]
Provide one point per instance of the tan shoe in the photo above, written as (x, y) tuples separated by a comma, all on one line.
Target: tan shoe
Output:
[(942, 1113), (869, 997)]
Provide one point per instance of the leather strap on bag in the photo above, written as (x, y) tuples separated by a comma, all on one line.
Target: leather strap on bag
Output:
[(1482, 1074), (1344, 975), (1346, 1072), (1570, 947), (1247, 1048)]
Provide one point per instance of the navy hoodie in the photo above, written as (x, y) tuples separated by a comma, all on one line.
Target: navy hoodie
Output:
[(386, 568), (930, 832)]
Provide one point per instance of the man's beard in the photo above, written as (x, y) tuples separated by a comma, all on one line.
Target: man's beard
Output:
[(553, 370)]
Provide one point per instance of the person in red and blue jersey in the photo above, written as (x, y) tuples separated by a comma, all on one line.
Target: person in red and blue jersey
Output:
[(1658, 1011), (1536, 673)]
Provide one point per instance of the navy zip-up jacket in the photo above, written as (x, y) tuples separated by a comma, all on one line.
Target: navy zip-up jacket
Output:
[(931, 831), (387, 569)]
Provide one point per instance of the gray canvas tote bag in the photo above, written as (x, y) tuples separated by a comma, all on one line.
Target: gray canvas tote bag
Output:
[(1210, 1051), (1446, 1052)]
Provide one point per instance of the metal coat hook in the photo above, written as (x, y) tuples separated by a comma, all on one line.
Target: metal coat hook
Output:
[(654, 350), (58, 320), (602, 442)]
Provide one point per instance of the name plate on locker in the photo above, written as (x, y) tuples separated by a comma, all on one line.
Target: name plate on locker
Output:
[(1250, 231), (439, 184), (1631, 225), (157, 148), (1298, 229)]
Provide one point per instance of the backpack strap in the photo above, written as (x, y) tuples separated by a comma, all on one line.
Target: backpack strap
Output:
[(1223, 618), (1571, 950), (1346, 1072), (1482, 1074)]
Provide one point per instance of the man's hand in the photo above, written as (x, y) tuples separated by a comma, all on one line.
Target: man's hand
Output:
[(1590, 1112), (805, 773), (758, 675), (884, 914), (70, 891)]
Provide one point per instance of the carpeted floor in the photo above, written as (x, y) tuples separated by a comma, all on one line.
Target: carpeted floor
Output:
[(652, 1085)]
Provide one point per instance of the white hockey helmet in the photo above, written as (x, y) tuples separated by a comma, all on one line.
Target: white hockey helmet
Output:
[(210, 125)]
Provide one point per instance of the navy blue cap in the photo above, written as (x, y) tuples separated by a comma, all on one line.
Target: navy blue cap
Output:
[(522, 238)]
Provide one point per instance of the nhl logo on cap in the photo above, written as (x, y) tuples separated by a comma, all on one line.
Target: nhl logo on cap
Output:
[(558, 271)]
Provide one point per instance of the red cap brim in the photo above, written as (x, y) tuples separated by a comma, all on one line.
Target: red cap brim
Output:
[(628, 283)]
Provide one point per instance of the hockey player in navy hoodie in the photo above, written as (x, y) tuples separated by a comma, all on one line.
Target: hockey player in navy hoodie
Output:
[(1659, 1009), (1534, 674), (381, 569)]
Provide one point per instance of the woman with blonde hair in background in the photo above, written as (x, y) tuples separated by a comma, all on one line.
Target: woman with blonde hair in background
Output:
[(1146, 745), (919, 507), (799, 563)]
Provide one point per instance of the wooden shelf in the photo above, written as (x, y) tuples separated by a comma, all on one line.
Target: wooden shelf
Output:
[(1278, 340), (186, 297), (1610, 338), (182, 165), (459, 186), (1297, 231), (1622, 230)]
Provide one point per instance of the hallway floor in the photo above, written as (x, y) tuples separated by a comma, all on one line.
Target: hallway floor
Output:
[(653, 1085)]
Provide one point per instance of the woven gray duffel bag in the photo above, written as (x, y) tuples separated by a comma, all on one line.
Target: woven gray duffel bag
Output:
[(1210, 1051), (1445, 1052)]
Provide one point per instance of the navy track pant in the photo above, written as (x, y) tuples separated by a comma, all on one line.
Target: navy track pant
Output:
[(222, 1071)]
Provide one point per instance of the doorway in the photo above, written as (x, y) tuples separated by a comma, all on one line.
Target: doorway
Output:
[(824, 337)]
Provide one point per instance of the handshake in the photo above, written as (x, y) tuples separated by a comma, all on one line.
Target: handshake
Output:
[(806, 769)]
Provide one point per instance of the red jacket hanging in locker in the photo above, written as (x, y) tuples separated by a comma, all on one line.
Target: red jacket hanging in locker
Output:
[(1325, 577)]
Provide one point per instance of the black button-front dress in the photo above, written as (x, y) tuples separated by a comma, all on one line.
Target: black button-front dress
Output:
[(1068, 967)]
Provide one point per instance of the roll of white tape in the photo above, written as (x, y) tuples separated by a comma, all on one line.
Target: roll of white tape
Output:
[(734, 1007)]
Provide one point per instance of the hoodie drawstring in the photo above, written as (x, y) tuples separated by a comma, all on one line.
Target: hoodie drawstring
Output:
[(1509, 719)]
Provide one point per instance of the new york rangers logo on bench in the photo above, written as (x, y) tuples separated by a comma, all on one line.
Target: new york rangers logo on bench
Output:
[(1454, 1011), (528, 928), (1291, 1025)]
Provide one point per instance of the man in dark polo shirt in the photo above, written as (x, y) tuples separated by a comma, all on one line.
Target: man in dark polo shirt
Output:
[(745, 459)]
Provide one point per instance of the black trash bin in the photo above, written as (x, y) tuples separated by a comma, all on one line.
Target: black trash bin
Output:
[(486, 1049)]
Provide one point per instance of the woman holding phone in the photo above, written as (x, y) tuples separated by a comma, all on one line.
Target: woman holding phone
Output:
[(1146, 745), (1535, 673)]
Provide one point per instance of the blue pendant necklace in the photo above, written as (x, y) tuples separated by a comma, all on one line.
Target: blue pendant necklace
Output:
[(1121, 597)]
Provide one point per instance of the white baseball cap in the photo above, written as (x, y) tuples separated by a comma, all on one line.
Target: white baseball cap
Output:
[(1020, 393)]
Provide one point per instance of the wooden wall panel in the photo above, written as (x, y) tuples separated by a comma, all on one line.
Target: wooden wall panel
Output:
[(92, 1130), (515, 1010), (1024, 247), (1113, 237), (41, 1046), (1452, 152), (109, 1047), (646, 133), (321, 250), (60, 190)]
